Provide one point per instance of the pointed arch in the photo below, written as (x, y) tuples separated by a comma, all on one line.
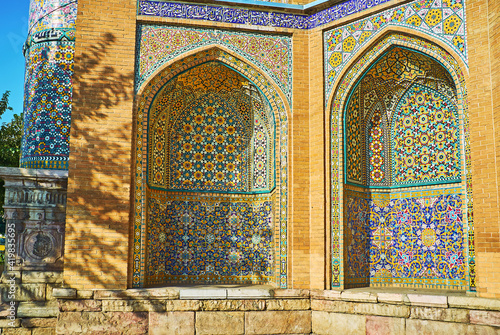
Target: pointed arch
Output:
[(277, 112), (337, 104)]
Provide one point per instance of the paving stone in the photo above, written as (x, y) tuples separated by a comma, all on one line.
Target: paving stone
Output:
[(6, 277), (102, 323), (326, 323), (381, 325), (440, 314), (393, 298), (233, 305), (44, 331), (485, 318), (133, 306), (326, 294), (242, 293), (183, 305), (64, 293), (150, 293), (291, 293), (278, 322), (49, 288), (84, 294), (474, 303), (399, 311), (416, 326), (24, 292), (7, 309), (39, 322), (482, 330), (171, 323), (358, 296), (80, 305), (38, 309), (220, 323), (8, 323), (288, 304), (332, 306), (203, 293), (428, 300), (16, 331)]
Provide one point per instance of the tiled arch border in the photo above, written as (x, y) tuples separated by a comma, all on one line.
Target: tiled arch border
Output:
[(145, 96), (335, 106)]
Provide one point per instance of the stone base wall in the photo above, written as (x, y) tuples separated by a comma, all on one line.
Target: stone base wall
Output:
[(251, 311)]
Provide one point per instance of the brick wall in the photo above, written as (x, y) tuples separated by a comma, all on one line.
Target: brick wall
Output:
[(300, 184), (319, 231), (484, 112), (98, 214), (97, 226)]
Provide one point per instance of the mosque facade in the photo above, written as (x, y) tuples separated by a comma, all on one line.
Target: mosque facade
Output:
[(319, 146)]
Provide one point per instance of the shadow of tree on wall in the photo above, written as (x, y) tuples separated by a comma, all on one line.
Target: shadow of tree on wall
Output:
[(97, 226)]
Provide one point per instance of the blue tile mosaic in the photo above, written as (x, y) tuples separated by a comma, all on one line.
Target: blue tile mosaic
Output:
[(253, 17)]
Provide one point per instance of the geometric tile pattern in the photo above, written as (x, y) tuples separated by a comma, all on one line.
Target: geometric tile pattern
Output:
[(376, 132), (263, 118), (209, 242), (408, 101), (159, 44), (338, 102), (46, 14), (47, 105), (408, 240), (253, 17), (425, 139), (206, 141), (200, 140), (49, 52), (441, 19)]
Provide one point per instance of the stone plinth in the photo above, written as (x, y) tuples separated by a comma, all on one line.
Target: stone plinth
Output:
[(35, 213)]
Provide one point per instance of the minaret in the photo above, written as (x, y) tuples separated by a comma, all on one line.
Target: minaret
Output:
[(49, 51)]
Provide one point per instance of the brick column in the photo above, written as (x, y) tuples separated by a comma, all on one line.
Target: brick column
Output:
[(318, 227), (299, 153), (484, 98), (99, 194)]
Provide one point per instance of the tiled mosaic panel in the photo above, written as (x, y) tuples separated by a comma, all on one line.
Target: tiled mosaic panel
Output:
[(196, 242), (254, 17), (376, 132), (355, 139), (417, 95), (146, 103), (47, 105), (442, 19), (348, 81), (205, 130), (416, 241), (425, 143), (217, 159), (46, 14), (159, 44)]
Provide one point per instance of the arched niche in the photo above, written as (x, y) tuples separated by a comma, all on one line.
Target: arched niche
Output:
[(403, 199), (211, 178)]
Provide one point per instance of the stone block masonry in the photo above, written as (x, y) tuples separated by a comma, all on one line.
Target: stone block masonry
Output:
[(254, 311)]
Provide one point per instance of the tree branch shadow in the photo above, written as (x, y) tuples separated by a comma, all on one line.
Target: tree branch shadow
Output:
[(98, 209)]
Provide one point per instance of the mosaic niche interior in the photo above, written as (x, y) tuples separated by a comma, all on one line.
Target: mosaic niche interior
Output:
[(210, 181), (402, 129), (441, 19)]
